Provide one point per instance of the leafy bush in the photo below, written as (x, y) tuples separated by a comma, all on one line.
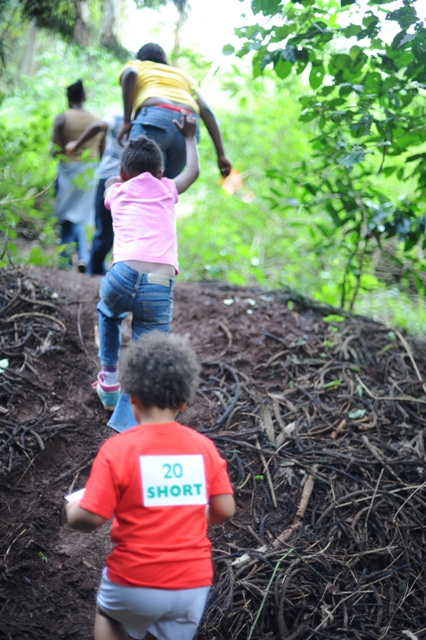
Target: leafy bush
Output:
[(367, 102), (26, 167)]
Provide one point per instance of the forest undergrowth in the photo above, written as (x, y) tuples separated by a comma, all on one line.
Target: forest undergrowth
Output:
[(321, 418)]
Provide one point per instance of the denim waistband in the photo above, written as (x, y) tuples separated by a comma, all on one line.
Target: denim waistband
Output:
[(141, 278), (165, 112)]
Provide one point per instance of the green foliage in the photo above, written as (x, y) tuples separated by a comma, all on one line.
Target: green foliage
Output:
[(367, 103), (24, 178), (241, 237), (27, 169), (60, 16), (292, 221)]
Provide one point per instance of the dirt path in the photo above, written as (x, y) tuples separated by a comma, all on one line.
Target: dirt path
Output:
[(284, 393)]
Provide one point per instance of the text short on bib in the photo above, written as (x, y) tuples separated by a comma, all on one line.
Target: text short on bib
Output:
[(173, 481)]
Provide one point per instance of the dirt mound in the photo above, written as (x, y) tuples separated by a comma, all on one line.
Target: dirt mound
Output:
[(320, 417)]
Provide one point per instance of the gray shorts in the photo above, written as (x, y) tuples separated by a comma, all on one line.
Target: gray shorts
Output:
[(168, 615)]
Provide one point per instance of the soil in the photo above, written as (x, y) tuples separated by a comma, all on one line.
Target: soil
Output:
[(295, 402)]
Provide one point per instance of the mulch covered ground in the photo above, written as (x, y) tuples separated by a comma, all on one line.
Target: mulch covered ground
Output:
[(322, 423)]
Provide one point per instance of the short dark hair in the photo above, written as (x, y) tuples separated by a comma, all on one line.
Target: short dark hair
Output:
[(160, 371), (75, 92), (153, 52), (140, 155)]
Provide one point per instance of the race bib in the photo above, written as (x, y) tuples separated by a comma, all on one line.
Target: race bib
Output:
[(173, 481)]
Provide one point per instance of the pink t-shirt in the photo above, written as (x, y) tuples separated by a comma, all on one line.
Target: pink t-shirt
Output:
[(143, 219)]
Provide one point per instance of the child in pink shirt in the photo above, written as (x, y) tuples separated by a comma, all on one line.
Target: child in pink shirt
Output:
[(145, 261)]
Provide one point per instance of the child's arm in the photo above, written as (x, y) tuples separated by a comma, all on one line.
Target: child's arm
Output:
[(81, 519), (111, 181), (90, 132), (220, 508), (188, 129)]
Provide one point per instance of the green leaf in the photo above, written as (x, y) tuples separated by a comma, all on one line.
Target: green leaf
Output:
[(340, 61), (354, 157), (280, 33), (228, 50), (316, 75), (282, 68), (333, 383), (333, 317), (358, 413), (37, 256), (388, 171), (267, 7), (401, 39), (417, 282), (405, 16), (352, 30), (257, 65)]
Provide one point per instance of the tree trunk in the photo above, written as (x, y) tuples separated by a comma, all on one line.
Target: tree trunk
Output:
[(108, 37), (107, 31), (31, 39), (178, 35), (82, 27)]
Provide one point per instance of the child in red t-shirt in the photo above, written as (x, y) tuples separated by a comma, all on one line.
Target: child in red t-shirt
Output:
[(164, 483)]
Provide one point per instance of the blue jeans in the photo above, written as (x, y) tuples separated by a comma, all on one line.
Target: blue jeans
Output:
[(73, 236), (122, 290), (157, 124), (104, 236)]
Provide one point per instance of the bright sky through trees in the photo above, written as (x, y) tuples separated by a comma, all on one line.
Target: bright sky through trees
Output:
[(209, 26)]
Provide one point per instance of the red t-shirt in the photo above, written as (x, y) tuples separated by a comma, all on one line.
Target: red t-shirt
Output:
[(156, 479)]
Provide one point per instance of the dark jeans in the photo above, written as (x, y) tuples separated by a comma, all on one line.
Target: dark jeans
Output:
[(73, 237), (104, 237), (157, 124)]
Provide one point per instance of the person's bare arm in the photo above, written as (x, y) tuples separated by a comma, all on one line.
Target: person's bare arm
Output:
[(90, 132), (188, 128), (102, 146), (81, 519), (58, 146), (212, 125), (220, 508), (128, 87)]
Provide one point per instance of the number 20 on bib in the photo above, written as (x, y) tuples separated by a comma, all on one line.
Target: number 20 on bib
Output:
[(173, 481)]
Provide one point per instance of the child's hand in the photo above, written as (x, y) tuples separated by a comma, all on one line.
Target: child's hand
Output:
[(188, 126), (112, 181), (70, 147)]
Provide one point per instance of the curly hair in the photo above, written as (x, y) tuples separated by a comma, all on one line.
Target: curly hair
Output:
[(160, 371), (140, 155), (153, 52)]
